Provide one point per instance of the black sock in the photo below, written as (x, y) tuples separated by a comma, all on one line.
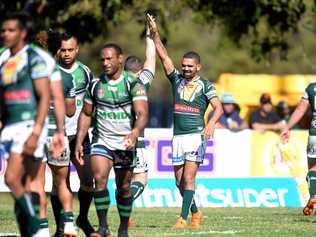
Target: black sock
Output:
[(35, 198), (102, 204), (85, 199), (124, 207), (57, 210), (21, 221)]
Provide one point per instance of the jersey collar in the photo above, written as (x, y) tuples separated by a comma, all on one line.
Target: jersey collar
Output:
[(70, 70)]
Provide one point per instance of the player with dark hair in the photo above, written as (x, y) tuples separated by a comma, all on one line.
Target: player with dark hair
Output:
[(25, 71), (118, 102), (145, 72), (192, 94), (307, 101), (73, 70)]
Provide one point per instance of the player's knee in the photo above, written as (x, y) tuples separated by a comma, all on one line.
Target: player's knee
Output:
[(188, 182), (10, 179)]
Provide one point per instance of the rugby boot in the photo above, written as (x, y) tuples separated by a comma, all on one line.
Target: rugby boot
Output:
[(180, 223), (84, 225), (102, 232), (308, 209), (122, 233), (130, 222), (196, 220)]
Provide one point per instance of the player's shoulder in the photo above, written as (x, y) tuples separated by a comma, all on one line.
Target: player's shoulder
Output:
[(4, 54), (83, 66), (37, 53), (311, 88)]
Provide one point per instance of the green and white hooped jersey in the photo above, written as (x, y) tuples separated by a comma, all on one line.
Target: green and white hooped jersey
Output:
[(113, 100), (17, 73), (69, 93), (81, 76), (310, 95), (190, 102)]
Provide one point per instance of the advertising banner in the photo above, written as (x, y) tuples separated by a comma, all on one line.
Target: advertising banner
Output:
[(241, 169)]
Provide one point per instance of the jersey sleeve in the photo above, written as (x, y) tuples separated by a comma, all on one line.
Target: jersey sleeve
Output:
[(138, 91), (146, 77), (306, 94), (56, 75), (209, 90), (174, 77), (41, 65), (89, 94)]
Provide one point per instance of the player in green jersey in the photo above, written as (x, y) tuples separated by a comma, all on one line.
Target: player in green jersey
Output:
[(24, 74), (192, 94), (119, 104), (73, 70), (307, 101), (144, 72)]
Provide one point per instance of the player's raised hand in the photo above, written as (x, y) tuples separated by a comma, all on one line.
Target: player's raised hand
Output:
[(285, 135), (152, 25), (79, 154)]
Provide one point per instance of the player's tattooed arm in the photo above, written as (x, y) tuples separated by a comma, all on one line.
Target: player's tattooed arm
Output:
[(217, 112), (294, 119), (42, 92), (84, 123), (161, 50)]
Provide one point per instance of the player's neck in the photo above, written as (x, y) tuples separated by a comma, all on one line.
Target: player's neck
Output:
[(116, 75), (192, 79), (68, 66), (15, 49)]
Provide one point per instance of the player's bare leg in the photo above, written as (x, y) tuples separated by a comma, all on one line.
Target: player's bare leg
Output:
[(197, 216), (60, 174), (101, 167)]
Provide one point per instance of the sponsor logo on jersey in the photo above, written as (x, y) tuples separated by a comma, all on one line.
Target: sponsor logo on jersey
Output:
[(9, 71), (114, 115), (186, 109), (20, 95)]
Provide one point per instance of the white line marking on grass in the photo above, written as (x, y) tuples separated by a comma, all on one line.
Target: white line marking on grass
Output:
[(225, 232)]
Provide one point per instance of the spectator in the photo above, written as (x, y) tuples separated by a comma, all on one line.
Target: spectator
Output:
[(283, 110), (265, 118), (230, 118)]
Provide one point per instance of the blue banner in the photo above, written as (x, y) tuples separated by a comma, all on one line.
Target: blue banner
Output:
[(225, 192)]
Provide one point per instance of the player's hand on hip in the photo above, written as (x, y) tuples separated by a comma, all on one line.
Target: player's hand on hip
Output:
[(30, 144), (209, 131), (285, 135), (79, 154), (57, 146)]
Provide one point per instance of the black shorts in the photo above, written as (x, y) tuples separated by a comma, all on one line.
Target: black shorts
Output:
[(72, 145), (122, 159)]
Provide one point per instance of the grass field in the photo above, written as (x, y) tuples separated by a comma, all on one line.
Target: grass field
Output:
[(153, 222)]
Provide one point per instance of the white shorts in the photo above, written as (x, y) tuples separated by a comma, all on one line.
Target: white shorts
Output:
[(311, 147), (189, 147), (64, 159), (141, 161), (14, 136)]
